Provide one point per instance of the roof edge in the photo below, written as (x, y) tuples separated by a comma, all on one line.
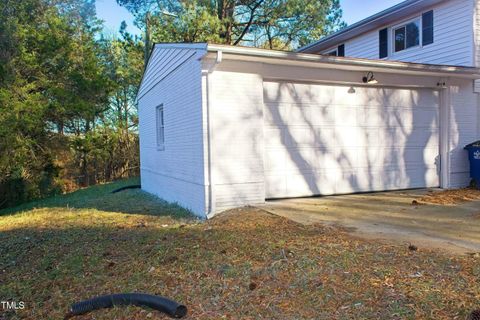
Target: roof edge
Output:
[(347, 61), (384, 14)]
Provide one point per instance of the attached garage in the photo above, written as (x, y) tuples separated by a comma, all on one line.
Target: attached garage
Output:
[(333, 139), (225, 126)]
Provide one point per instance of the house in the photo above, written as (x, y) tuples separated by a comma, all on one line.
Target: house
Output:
[(223, 126), (424, 31)]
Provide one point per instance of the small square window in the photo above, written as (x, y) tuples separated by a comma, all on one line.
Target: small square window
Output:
[(160, 127)]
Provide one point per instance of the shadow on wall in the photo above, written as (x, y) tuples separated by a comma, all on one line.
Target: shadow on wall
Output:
[(324, 139), (238, 139)]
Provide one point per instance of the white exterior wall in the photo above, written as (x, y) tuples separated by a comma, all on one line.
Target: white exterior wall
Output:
[(464, 122), (237, 136), (175, 174), (453, 38), (476, 41), (234, 111)]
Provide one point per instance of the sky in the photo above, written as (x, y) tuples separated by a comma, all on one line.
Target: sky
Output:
[(353, 11)]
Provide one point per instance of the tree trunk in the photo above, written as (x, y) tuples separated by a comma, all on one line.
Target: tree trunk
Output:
[(147, 38)]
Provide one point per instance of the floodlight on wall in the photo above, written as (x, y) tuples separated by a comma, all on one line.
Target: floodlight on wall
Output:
[(369, 78)]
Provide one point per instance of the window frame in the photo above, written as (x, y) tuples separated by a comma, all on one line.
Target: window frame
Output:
[(332, 53), (160, 127), (404, 24)]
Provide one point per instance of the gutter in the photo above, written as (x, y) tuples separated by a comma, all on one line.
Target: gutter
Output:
[(282, 57), (211, 180)]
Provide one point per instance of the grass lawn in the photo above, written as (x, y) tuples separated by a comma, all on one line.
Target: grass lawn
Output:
[(244, 264)]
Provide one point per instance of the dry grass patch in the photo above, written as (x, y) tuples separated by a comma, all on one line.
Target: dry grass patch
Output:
[(450, 197), (245, 264)]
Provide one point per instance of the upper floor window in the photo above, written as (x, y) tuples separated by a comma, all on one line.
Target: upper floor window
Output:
[(413, 33), (407, 36)]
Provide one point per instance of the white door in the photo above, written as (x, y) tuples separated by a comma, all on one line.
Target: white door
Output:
[(331, 139)]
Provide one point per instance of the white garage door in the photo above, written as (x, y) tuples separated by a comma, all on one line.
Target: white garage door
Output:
[(330, 139)]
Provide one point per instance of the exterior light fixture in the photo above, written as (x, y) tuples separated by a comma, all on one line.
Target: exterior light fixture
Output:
[(351, 90), (369, 78)]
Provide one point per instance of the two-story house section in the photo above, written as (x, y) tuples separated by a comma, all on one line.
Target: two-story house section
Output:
[(423, 31), (435, 32)]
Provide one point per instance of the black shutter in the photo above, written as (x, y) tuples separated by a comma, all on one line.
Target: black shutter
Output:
[(383, 50), (427, 28), (341, 50)]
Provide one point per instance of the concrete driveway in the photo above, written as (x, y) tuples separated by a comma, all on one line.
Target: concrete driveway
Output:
[(391, 216)]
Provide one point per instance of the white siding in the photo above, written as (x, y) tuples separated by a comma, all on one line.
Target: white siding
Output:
[(464, 115), (161, 63), (237, 131), (179, 172), (453, 38), (476, 41), (176, 173)]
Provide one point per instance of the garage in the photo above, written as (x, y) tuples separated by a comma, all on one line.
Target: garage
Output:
[(327, 139), (223, 127)]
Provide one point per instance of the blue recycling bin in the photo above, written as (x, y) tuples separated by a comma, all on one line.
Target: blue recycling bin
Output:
[(474, 157)]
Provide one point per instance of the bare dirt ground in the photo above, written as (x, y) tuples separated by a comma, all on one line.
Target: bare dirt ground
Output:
[(446, 220)]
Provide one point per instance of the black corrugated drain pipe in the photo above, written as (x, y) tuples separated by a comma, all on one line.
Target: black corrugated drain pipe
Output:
[(167, 306)]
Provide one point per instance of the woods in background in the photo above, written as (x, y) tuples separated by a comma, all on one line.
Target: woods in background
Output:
[(67, 113), (68, 117)]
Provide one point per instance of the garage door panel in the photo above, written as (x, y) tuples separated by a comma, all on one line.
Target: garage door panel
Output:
[(299, 114), (325, 180), (322, 115), (275, 113), (421, 137), (348, 136), (299, 160), (326, 159), (345, 116), (274, 137), (385, 117), (325, 137), (426, 117), (283, 92), (297, 136), (300, 184), (274, 160), (276, 186), (320, 139)]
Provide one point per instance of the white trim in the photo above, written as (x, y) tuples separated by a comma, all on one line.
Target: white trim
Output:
[(330, 50), (160, 126), (404, 25), (445, 107), (181, 45), (209, 96), (352, 64)]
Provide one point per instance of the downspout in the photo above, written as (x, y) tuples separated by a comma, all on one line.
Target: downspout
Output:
[(445, 106), (211, 180)]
